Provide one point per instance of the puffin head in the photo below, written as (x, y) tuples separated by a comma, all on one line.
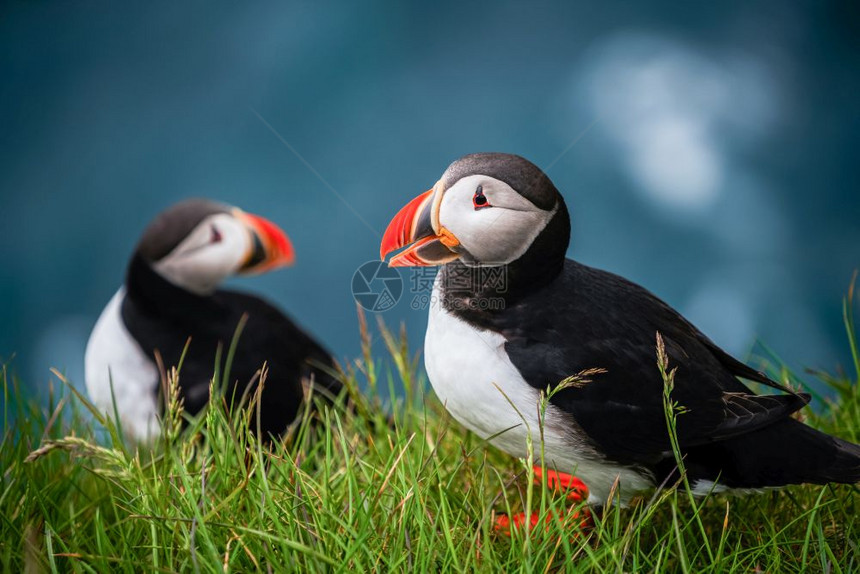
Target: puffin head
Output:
[(487, 209), (197, 243)]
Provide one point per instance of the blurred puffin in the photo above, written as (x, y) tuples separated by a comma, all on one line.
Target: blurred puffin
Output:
[(171, 295), (512, 316)]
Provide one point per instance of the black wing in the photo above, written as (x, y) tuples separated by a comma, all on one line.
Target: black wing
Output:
[(163, 317), (270, 328), (589, 318)]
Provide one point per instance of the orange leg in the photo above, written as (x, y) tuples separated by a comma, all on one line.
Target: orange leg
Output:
[(576, 492)]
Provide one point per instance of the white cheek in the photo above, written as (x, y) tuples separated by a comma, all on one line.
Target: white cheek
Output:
[(200, 266), (493, 235)]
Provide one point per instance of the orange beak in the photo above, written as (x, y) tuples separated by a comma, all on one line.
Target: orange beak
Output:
[(270, 246), (417, 228)]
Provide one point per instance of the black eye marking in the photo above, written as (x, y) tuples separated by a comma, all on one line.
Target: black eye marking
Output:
[(215, 236), (480, 200)]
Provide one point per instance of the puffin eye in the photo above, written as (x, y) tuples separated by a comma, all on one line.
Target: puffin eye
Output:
[(215, 236), (479, 200)]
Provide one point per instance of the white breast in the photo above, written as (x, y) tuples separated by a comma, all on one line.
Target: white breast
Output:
[(113, 355), (476, 381)]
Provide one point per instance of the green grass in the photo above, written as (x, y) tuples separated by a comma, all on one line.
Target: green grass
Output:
[(356, 491)]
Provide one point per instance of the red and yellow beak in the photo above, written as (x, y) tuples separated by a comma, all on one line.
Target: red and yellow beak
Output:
[(270, 246), (417, 228)]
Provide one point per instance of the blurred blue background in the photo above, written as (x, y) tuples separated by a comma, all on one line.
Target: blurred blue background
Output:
[(708, 152)]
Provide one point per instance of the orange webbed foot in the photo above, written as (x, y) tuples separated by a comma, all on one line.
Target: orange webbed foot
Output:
[(575, 491)]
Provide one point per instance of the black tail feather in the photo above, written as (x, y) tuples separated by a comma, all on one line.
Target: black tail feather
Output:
[(788, 452)]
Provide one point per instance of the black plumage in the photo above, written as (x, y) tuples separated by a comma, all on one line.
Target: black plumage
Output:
[(560, 317), (162, 317)]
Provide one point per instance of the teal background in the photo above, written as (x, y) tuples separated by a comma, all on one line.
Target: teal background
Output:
[(707, 151)]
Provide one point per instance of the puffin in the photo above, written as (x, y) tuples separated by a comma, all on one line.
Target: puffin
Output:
[(512, 317), (171, 309)]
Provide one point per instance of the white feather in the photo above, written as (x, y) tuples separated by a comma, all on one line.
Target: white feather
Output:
[(114, 355), (473, 376)]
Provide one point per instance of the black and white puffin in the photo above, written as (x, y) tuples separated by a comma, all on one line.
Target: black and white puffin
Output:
[(511, 316), (171, 295)]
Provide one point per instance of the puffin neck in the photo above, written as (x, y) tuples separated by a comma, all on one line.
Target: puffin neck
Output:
[(502, 287), (158, 296)]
